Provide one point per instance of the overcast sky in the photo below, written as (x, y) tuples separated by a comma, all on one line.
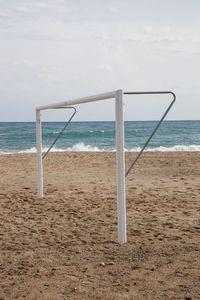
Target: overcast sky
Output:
[(54, 50)]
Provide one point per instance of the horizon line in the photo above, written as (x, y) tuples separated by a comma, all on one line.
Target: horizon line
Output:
[(61, 121)]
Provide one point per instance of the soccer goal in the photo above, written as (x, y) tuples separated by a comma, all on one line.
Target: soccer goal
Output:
[(120, 157)]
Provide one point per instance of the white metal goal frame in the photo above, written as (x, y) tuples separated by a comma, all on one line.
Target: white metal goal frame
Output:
[(120, 155)]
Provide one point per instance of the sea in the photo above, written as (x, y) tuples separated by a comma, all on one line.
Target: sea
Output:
[(20, 137)]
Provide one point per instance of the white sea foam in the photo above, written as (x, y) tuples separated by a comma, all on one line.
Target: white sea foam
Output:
[(82, 147), (91, 131), (4, 153), (176, 148), (31, 150)]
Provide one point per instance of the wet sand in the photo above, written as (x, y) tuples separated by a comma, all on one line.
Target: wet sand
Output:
[(64, 245)]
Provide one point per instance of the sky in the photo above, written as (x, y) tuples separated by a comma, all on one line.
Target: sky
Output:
[(56, 50)]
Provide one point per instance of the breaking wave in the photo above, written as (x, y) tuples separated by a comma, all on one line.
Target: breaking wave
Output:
[(89, 148)]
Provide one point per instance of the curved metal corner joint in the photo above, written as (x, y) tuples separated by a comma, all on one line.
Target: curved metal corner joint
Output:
[(157, 126), (61, 132)]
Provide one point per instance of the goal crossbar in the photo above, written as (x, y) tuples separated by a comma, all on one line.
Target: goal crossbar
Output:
[(79, 100)]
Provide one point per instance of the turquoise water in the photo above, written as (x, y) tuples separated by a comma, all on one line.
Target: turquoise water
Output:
[(20, 137)]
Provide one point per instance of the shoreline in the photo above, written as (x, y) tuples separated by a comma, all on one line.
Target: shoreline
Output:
[(104, 151)]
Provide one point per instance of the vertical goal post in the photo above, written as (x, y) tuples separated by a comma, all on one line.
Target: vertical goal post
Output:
[(120, 156)]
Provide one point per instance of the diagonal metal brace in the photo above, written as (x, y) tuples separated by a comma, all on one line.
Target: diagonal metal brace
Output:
[(157, 126), (61, 132)]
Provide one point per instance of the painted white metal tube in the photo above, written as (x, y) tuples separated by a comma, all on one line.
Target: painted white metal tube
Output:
[(80, 100), (39, 154), (121, 195)]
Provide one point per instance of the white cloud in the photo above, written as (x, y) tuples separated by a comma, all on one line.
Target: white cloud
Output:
[(107, 68), (114, 9), (3, 88)]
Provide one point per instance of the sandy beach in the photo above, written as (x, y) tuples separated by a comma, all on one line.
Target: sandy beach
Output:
[(64, 245)]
